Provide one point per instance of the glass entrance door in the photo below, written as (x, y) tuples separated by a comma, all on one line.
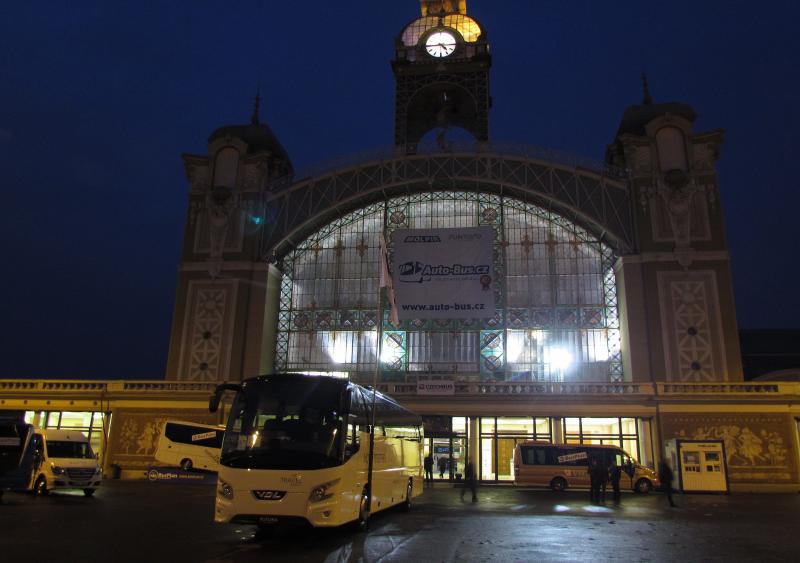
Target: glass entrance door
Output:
[(440, 447)]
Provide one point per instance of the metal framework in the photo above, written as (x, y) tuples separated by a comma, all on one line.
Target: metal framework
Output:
[(594, 197)]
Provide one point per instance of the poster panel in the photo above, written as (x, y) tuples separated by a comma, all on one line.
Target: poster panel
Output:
[(444, 273)]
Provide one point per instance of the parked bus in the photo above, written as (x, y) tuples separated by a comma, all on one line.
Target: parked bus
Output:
[(190, 445), (559, 466), (16, 459), (57, 459), (296, 448)]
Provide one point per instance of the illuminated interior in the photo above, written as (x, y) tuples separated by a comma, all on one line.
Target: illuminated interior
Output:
[(464, 25), (556, 317)]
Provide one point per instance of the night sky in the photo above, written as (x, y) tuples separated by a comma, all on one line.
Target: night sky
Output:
[(99, 99)]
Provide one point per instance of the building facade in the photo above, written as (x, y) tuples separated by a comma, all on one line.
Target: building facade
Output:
[(614, 318)]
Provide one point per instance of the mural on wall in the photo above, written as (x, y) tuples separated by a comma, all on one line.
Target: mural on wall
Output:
[(135, 434), (757, 446)]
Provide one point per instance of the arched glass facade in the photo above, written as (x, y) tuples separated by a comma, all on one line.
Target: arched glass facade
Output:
[(555, 290)]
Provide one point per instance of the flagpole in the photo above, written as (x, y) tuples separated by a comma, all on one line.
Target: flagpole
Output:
[(379, 350)]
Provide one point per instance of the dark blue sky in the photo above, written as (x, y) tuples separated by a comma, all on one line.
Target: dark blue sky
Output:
[(99, 99)]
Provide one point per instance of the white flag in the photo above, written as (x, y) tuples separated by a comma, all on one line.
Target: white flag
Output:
[(386, 281)]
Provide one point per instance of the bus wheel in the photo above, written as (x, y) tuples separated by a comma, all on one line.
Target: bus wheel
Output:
[(558, 484), (363, 512), (40, 488), (186, 464), (643, 486), (88, 492), (409, 490)]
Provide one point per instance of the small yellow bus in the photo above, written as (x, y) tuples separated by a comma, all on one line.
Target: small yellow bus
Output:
[(560, 466), (296, 448)]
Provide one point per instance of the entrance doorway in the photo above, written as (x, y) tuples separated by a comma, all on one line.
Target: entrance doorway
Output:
[(449, 457)]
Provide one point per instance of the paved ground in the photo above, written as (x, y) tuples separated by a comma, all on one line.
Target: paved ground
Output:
[(139, 521)]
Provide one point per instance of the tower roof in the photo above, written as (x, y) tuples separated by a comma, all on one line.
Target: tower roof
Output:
[(258, 136), (637, 117)]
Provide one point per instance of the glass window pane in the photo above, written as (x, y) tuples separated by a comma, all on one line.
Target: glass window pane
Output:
[(516, 426), (487, 459), (459, 425), (487, 425), (542, 429), (76, 420), (572, 426), (629, 426)]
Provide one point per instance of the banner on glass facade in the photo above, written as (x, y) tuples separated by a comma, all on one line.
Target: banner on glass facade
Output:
[(444, 273), (435, 387)]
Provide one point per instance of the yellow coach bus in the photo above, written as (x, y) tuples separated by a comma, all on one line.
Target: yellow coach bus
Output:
[(296, 448)]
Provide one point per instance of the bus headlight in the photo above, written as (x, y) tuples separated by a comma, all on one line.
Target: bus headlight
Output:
[(225, 490), (323, 492), (57, 470)]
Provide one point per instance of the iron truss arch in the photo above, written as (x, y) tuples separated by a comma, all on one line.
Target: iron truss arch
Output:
[(598, 201)]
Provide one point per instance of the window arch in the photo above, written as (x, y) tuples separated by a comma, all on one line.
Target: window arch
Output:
[(226, 165), (671, 149), (556, 317)]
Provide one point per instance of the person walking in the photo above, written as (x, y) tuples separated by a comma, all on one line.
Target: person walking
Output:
[(666, 476), (615, 474), (594, 482), (429, 468), (442, 466), (470, 481)]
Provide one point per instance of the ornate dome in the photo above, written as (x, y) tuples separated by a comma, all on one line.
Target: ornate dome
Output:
[(469, 29)]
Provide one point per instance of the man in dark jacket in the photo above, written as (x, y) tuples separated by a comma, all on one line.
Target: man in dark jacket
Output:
[(470, 481), (665, 475), (594, 480), (614, 475), (429, 468)]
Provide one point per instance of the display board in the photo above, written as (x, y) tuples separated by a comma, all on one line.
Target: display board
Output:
[(444, 273), (700, 465)]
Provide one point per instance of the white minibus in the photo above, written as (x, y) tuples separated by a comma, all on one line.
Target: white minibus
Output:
[(190, 445), (560, 466)]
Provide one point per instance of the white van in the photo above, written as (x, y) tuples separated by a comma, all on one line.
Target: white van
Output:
[(63, 459)]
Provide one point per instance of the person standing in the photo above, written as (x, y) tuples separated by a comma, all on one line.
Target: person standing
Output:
[(666, 476), (615, 474), (470, 481), (594, 483), (429, 468), (442, 466)]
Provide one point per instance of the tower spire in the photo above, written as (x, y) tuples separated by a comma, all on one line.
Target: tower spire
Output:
[(646, 99)]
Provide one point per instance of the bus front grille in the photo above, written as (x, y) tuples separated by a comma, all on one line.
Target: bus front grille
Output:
[(269, 495), (80, 474)]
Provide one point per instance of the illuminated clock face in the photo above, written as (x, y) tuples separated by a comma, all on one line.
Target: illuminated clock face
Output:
[(440, 44)]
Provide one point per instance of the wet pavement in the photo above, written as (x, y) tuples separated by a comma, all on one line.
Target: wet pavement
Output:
[(140, 521)]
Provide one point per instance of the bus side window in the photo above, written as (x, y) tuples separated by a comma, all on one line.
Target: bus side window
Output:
[(351, 444)]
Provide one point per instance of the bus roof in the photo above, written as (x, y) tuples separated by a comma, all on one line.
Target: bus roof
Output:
[(541, 443)]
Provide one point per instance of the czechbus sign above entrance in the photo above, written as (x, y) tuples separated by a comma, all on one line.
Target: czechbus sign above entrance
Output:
[(444, 273)]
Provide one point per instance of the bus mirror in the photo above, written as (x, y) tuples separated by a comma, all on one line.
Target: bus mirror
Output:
[(213, 401)]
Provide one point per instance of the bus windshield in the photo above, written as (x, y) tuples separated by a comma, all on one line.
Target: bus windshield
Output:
[(12, 442), (60, 449), (285, 423)]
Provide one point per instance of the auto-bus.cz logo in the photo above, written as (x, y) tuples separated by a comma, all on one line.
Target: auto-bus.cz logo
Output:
[(417, 272)]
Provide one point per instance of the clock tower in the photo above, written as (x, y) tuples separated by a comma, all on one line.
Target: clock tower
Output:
[(441, 69)]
